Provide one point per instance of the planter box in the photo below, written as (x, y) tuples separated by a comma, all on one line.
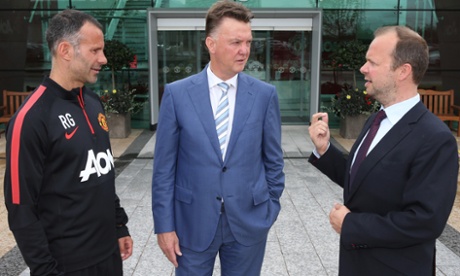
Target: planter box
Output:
[(351, 126), (119, 125)]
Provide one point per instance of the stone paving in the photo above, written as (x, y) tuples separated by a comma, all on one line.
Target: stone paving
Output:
[(300, 243)]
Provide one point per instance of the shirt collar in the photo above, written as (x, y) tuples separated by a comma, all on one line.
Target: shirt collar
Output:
[(397, 111), (213, 80)]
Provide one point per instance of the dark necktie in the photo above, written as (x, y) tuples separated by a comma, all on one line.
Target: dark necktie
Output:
[(362, 152)]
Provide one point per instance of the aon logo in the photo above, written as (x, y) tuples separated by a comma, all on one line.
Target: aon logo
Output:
[(99, 164)]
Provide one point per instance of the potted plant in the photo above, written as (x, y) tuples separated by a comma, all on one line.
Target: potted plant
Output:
[(121, 102), (345, 56), (353, 106), (118, 101), (118, 55)]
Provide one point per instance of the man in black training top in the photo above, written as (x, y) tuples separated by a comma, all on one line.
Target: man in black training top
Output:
[(59, 178)]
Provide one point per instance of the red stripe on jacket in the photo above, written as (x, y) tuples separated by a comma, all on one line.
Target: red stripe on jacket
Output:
[(16, 143)]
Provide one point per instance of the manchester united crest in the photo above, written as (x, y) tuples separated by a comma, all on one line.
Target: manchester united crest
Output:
[(103, 122)]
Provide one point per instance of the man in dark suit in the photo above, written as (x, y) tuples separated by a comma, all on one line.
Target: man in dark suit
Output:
[(398, 199), (216, 186)]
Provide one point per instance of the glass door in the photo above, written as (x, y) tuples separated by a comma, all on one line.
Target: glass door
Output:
[(282, 58), (180, 54), (285, 52)]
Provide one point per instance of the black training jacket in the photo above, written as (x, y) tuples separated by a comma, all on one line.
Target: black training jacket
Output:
[(60, 181)]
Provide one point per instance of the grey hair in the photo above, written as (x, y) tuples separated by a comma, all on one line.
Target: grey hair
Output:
[(65, 26)]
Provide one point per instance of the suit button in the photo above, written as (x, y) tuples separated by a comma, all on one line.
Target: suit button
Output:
[(224, 169)]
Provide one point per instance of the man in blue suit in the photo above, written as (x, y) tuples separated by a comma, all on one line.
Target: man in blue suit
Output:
[(218, 193), (398, 198)]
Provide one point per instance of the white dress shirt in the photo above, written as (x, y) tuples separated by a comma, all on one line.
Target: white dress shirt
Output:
[(394, 114), (215, 93)]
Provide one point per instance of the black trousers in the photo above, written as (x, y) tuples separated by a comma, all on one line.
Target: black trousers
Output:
[(112, 266)]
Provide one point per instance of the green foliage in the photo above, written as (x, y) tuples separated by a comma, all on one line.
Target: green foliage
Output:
[(349, 54), (352, 102), (121, 102), (118, 55)]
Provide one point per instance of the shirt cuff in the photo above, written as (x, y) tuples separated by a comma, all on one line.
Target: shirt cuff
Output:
[(317, 155)]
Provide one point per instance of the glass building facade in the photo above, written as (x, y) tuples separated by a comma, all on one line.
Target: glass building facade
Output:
[(283, 52)]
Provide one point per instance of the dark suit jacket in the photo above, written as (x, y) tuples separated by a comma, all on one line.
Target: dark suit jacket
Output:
[(190, 176), (401, 197)]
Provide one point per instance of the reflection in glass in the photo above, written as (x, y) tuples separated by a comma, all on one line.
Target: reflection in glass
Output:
[(358, 4), (281, 58)]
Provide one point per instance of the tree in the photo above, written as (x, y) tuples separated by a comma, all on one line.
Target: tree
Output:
[(350, 54), (118, 56), (119, 99)]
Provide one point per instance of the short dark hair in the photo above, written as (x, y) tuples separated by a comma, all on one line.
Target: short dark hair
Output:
[(411, 48), (223, 9), (66, 25)]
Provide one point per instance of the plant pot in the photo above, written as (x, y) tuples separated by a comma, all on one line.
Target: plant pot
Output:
[(119, 124), (351, 126)]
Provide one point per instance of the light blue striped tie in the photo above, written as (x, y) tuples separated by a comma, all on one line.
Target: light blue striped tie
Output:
[(221, 116)]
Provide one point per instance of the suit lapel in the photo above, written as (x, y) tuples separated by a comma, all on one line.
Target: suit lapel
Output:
[(243, 106), (387, 144), (199, 96)]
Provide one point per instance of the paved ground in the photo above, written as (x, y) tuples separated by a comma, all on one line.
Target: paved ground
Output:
[(300, 243)]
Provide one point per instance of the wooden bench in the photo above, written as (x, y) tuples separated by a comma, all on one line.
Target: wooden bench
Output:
[(12, 100), (441, 103)]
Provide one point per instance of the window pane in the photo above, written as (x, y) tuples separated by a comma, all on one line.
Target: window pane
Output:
[(358, 4), (248, 3), (417, 4), (282, 58)]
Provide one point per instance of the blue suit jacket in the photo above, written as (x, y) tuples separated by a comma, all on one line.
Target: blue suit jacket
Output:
[(190, 176), (401, 197)]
